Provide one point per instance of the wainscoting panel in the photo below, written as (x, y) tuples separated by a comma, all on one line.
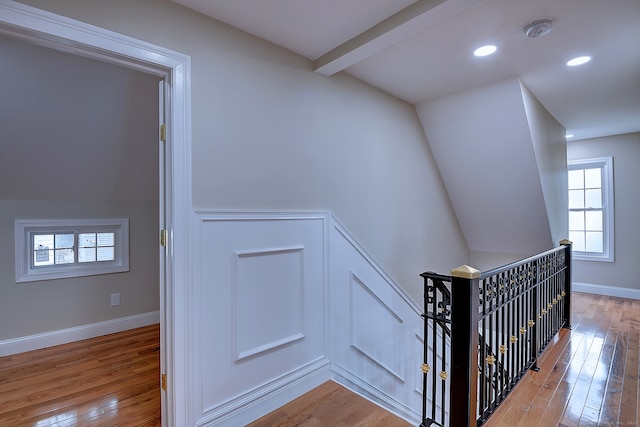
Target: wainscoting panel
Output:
[(372, 329), (365, 306), (259, 323), (268, 285), (285, 301)]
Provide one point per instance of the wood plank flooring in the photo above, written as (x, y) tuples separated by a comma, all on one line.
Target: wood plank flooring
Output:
[(330, 404), (111, 380), (588, 376)]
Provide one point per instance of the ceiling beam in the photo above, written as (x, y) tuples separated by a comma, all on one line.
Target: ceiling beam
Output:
[(411, 20)]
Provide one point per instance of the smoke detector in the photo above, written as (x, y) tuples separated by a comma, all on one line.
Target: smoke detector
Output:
[(538, 28)]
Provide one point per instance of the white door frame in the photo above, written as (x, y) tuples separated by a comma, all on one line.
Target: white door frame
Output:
[(58, 32)]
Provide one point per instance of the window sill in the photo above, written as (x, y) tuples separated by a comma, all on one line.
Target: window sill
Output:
[(597, 258)]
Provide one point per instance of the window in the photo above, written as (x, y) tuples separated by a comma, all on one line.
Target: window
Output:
[(591, 209), (54, 249)]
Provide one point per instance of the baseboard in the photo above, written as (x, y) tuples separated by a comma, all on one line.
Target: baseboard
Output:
[(268, 397), (612, 291), (64, 336), (366, 390)]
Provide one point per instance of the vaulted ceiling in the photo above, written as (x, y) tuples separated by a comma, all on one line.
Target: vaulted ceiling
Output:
[(419, 51), (422, 50)]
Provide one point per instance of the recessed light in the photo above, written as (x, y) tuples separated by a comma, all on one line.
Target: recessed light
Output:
[(485, 50), (578, 61), (569, 135)]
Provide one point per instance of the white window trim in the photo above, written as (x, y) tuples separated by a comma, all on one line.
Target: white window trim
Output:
[(24, 227), (606, 163)]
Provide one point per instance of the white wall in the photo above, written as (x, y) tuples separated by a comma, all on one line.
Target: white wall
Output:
[(550, 147), (301, 302), (37, 307), (270, 133), (625, 150), (482, 143), (79, 141)]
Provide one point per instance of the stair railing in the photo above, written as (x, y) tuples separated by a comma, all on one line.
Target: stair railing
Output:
[(483, 331)]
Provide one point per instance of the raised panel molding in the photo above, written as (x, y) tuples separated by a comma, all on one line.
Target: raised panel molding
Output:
[(375, 354), (284, 301), (268, 296), (259, 299), (372, 320)]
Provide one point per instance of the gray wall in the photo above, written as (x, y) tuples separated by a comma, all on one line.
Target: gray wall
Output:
[(37, 307), (625, 150), (79, 140), (268, 133)]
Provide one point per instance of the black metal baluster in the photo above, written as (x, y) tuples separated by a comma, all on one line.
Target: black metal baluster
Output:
[(434, 352), (425, 352)]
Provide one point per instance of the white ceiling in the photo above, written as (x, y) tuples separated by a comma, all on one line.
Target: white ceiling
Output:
[(422, 50)]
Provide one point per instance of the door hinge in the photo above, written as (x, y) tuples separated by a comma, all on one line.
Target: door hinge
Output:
[(163, 237), (163, 132), (163, 382)]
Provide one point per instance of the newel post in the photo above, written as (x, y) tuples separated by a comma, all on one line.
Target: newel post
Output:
[(567, 282), (465, 297)]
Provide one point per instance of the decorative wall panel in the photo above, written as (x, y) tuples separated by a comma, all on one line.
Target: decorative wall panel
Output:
[(285, 301), (379, 343), (268, 296), (372, 329), (260, 309)]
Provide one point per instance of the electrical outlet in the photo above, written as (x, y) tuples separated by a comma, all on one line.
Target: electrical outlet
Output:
[(115, 299)]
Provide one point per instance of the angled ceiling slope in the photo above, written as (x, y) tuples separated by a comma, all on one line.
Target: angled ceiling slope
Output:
[(481, 140), (420, 50)]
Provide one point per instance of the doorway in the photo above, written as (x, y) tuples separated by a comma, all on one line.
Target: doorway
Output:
[(50, 30)]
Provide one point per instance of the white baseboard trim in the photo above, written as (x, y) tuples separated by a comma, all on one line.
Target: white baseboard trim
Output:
[(64, 336), (366, 390), (268, 397), (612, 291)]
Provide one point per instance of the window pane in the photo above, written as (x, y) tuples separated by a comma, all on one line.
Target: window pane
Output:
[(593, 198), (42, 256), (593, 178), (594, 242), (106, 239), (43, 249), (64, 241), (577, 238), (45, 240), (86, 239), (576, 179), (105, 254), (594, 220), (576, 199), (64, 256), (576, 220), (86, 254)]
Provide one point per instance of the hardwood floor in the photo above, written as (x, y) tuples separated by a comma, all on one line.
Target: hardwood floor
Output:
[(588, 376), (330, 405), (111, 380)]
